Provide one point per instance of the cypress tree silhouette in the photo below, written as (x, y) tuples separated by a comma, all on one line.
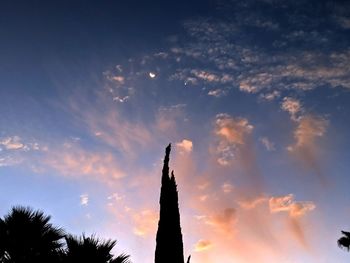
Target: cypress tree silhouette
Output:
[(169, 247)]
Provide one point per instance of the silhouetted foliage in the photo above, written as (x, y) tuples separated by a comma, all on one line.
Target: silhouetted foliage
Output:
[(2, 241), (27, 236), (91, 249), (169, 247), (344, 241)]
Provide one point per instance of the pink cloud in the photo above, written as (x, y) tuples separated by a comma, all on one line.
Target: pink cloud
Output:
[(73, 161), (306, 149)]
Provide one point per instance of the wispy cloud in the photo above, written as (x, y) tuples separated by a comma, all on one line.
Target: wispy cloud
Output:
[(309, 129), (74, 161), (270, 146)]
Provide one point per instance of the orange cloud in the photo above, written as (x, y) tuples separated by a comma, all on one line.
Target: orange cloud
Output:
[(145, 222), (223, 221), (232, 134), (185, 146), (251, 204), (287, 204), (234, 130), (203, 245), (71, 160), (310, 127)]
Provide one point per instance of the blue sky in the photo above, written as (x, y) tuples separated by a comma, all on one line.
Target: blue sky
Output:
[(253, 95)]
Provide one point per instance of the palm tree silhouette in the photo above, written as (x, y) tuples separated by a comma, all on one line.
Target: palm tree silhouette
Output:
[(26, 236), (91, 249), (344, 241), (2, 241)]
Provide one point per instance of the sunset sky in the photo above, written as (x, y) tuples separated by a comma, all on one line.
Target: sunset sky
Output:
[(254, 96)]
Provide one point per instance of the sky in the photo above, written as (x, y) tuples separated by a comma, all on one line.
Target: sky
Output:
[(253, 95)]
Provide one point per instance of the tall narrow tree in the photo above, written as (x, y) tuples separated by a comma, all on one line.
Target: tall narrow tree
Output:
[(169, 247)]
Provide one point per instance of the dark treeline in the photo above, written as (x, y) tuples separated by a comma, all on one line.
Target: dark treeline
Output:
[(27, 236)]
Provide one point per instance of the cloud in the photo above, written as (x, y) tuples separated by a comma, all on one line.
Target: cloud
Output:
[(168, 118), (247, 87), (223, 221), (115, 197), (185, 146), (121, 99), (14, 150), (203, 245), (306, 149), (343, 21), (227, 188), (251, 204), (118, 79), (270, 146), (84, 199), (232, 134), (109, 126), (270, 96), (252, 66), (309, 128), (292, 106), (73, 161), (206, 76), (9, 161), (13, 143), (120, 87), (217, 93), (295, 211), (287, 204), (145, 222), (234, 130)]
